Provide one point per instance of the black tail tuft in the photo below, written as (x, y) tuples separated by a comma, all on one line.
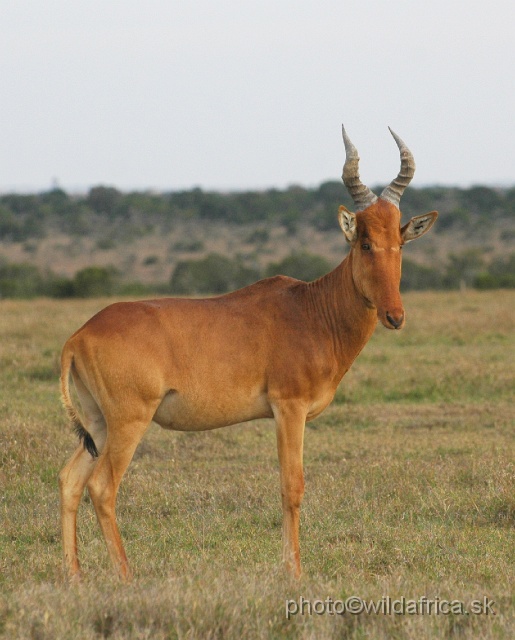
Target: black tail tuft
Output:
[(85, 438)]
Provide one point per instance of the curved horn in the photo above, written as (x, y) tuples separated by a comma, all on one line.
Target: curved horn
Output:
[(359, 192), (394, 191)]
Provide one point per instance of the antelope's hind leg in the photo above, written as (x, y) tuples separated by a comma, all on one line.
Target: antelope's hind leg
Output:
[(122, 439), (74, 477)]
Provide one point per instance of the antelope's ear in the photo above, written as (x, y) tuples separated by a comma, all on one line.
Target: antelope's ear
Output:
[(417, 226), (347, 222)]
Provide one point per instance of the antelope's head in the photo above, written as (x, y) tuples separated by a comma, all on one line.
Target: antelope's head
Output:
[(376, 236)]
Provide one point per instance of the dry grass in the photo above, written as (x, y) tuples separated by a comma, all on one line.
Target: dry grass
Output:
[(410, 483)]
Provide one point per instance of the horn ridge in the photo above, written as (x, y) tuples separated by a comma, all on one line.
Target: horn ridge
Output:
[(393, 192), (362, 196)]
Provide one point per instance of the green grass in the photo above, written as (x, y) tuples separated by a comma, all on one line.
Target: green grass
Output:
[(410, 479)]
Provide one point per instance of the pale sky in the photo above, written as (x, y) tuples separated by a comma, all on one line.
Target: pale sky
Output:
[(172, 94)]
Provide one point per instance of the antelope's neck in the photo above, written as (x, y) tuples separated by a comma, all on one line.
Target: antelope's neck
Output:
[(341, 312)]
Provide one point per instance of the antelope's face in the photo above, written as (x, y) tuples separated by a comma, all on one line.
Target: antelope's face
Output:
[(376, 236)]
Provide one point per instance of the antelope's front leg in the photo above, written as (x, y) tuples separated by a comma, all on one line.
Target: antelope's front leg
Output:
[(290, 420)]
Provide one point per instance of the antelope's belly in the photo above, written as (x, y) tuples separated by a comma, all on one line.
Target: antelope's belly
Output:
[(198, 412)]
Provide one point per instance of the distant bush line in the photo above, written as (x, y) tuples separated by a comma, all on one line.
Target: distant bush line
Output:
[(215, 274), (104, 210), (111, 217)]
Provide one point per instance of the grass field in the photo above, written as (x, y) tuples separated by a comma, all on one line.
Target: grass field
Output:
[(410, 492)]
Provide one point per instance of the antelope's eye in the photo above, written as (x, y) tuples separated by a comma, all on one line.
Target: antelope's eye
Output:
[(365, 246)]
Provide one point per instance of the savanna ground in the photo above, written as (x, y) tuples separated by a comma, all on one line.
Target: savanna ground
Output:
[(409, 493)]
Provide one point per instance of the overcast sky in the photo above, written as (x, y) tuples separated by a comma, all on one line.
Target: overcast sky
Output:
[(171, 94)]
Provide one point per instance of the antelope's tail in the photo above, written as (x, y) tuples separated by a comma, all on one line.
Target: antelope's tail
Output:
[(82, 433)]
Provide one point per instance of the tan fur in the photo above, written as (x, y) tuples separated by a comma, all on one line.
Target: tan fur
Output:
[(277, 349)]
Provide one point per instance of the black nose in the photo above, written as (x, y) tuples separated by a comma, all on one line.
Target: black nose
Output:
[(395, 322)]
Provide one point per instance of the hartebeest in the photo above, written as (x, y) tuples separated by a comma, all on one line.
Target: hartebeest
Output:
[(275, 349)]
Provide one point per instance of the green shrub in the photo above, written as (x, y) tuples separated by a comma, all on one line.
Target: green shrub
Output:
[(304, 266), (489, 281), (104, 200), (188, 246), (20, 281), (57, 287), (10, 226), (213, 274), (419, 277), (94, 281), (463, 268), (500, 274)]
